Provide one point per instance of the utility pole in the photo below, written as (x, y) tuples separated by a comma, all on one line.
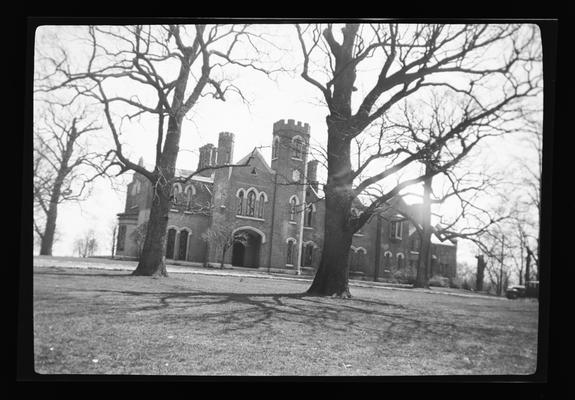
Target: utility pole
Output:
[(500, 291), (302, 217), (377, 249)]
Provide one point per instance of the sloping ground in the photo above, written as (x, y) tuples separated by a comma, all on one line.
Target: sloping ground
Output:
[(89, 321)]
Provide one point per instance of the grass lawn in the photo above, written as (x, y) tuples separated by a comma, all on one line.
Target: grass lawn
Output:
[(90, 321)]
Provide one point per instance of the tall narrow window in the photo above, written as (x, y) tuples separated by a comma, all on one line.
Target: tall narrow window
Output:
[(290, 252), (309, 215), (275, 147), (308, 255), (395, 230), (292, 208), (175, 193), (360, 259), (261, 206), (297, 148), (189, 194), (387, 260), (400, 261), (240, 204), (251, 209)]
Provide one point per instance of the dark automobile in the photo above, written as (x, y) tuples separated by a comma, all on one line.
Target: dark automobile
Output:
[(531, 289), (515, 291)]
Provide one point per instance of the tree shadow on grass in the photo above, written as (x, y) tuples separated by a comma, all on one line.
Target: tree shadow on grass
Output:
[(236, 312), (111, 274)]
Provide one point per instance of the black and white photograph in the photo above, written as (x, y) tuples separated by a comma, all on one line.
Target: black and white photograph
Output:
[(288, 197)]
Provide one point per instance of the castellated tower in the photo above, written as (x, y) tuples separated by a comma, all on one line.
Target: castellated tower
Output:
[(225, 148), (289, 149), (289, 154)]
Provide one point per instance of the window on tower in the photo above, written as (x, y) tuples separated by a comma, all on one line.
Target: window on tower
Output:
[(297, 148), (275, 148)]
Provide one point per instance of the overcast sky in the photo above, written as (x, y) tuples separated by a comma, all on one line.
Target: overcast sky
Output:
[(288, 97)]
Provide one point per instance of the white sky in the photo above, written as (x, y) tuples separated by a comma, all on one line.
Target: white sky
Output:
[(289, 97)]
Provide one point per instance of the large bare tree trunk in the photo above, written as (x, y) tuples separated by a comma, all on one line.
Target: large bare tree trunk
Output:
[(152, 260), (332, 275), (52, 215), (479, 273)]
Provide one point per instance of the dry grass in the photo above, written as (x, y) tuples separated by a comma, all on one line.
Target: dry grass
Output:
[(108, 322)]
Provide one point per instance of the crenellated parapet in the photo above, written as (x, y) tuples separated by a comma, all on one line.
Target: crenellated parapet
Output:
[(292, 125)]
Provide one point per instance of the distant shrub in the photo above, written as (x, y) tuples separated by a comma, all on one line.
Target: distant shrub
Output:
[(455, 283), (467, 285), (438, 280)]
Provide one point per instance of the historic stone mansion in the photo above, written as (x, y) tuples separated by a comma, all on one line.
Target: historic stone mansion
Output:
[(264, 201)]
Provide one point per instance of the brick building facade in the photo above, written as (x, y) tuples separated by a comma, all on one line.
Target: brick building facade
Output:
[(265, 203)]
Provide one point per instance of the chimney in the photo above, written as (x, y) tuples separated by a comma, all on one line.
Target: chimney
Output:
[(207, 158)]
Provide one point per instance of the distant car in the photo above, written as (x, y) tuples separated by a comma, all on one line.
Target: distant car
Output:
[(531, 289), (515, 291)]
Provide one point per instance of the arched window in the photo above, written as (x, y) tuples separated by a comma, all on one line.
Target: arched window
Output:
[(387, 260), (308, 255), (400, 260), (176, 190), (290, 252), (309, 215), (261, 205), (240, 202), (189, 195), (293, 208), (360, 258), (297, 147), (251, 206), (275, 147)]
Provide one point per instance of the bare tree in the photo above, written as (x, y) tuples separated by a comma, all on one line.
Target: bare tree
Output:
[(223, 238), (415, 57), (63, 166), (86, 245), (163, 72)]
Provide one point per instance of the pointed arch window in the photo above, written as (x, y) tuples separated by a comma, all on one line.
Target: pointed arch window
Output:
[(251, 205), (240, 203), (309, 215), (275, 148), (400, 261), (261, 205), (189, 196), (293, 208), (297, 148)]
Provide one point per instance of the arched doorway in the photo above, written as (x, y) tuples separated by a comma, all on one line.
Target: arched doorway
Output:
[(247, 254)]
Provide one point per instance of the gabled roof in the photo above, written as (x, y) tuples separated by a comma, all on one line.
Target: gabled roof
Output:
[(256, 153)]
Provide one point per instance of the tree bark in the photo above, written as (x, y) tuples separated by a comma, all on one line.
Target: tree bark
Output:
[(51, 216), (479, 273), (152, 261), (331, 278)]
